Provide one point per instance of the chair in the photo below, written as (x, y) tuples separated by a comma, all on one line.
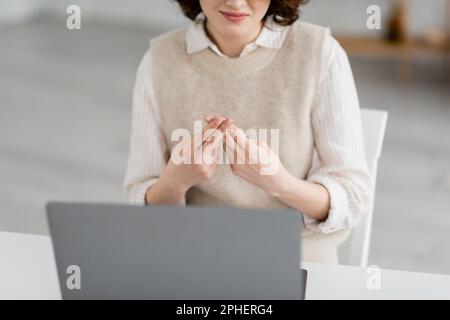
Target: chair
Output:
[(355, 251)]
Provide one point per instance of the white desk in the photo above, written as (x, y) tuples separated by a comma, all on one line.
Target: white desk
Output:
[(28, 271)]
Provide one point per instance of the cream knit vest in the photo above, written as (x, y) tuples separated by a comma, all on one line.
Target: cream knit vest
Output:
[(267, 89)]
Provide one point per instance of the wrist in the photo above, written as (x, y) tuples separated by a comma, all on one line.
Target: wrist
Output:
[(178, 190), (282, 185), (170, 182), (162, 192)]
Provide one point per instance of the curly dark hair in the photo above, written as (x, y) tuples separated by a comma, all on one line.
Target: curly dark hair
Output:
[(285, 12)]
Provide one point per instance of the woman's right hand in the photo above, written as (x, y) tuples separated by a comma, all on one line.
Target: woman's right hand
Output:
[(187, 169)]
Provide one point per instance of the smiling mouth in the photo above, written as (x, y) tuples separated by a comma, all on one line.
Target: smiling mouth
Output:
[(234, 17)]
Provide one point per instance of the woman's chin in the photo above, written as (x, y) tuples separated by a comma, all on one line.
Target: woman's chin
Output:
[(235, 31)]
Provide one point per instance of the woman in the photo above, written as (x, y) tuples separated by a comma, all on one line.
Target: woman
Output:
[(252, 64)]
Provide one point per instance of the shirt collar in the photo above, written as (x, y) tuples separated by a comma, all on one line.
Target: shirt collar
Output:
[(271, 36)]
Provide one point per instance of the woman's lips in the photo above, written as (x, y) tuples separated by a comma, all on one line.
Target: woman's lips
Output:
[(234, 17)]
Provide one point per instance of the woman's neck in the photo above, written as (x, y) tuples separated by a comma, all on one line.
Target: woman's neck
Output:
[(232, 46)]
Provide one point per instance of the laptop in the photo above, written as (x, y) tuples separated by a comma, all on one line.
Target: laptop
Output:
[(110, 251)]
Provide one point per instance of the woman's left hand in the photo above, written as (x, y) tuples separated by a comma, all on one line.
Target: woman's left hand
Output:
[(257, 163), (254, 161)]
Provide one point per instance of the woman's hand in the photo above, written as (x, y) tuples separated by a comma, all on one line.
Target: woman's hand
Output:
[(189, 165), (255, 161)]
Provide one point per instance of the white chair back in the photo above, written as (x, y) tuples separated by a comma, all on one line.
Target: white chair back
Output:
[(355, 251)]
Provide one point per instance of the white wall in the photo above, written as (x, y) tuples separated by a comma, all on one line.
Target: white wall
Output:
[(155, 12), (343, 16), (12, 11)]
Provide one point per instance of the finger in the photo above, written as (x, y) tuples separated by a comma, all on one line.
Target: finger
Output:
[(209, 118), (214, 124), (212, 117), (238, 154), (215, 139), (227, 128), (252, 151), (208, 129), (208, 155), (229, 147), (224, 121), (227, 124), (242, 142), (240, 137), (210, 134), (219, 151), (209, 150)]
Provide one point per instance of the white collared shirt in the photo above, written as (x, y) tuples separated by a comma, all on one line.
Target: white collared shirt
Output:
[(339, 162), (271, 36)]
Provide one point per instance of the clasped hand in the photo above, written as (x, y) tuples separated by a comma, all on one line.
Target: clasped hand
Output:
[(249, 159)]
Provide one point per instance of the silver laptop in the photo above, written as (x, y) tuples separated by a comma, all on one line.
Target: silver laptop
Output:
[(176, 253)]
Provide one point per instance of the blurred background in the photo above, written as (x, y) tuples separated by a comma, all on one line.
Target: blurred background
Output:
[(65, 107)]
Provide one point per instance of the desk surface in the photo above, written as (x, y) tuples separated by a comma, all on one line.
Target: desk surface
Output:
[(28, 271)]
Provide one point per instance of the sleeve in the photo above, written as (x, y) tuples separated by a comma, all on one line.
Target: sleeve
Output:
[(148, 153), (341, 166)]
